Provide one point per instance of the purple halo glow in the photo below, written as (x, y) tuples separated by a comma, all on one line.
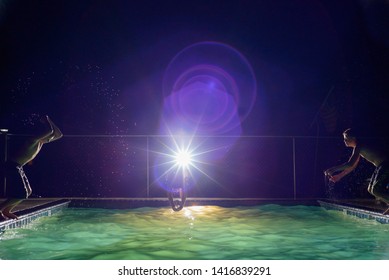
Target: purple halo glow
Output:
[(201, 96), (202, 105), (220, 61), (213, 78)]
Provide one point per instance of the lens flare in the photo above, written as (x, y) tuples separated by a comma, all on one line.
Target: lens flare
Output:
[(215, 62), (209, 89)]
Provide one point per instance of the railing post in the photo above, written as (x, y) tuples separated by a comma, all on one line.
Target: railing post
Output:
[(4, 138), (147, 167), (294, 168)]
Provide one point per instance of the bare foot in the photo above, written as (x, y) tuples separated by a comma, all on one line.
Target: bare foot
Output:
[(9, 215), (379, 202)]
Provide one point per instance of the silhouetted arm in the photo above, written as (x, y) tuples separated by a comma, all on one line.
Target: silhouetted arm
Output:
[(344, 168), (53, 133), (56, 132)]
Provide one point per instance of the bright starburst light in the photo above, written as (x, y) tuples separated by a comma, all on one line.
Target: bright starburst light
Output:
[(183, 158)]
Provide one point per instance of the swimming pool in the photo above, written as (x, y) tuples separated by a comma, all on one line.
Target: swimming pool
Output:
[(199, 232)]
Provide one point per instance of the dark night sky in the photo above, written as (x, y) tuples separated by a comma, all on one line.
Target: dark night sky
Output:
[(96, 67)]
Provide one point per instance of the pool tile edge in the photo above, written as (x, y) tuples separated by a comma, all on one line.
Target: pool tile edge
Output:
[(27, 218), (356, 212)]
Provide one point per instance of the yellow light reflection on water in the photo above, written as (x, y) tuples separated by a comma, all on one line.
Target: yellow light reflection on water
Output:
[(192, 212)]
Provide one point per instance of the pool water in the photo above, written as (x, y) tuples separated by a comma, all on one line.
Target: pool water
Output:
[(200, 232)]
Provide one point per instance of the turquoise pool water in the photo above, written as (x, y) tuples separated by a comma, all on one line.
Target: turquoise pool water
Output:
[(201, 232)]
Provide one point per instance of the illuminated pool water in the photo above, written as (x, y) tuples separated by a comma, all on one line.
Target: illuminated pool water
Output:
[(207, 232)]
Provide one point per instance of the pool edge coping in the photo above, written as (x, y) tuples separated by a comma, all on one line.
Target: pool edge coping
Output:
[(33, 214), (356, 212)]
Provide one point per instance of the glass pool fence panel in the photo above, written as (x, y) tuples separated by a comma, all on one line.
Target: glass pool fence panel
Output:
[(90, 167), (242, 167), (313, 156)]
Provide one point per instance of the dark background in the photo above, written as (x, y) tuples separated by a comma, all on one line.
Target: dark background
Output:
[(96, 67)]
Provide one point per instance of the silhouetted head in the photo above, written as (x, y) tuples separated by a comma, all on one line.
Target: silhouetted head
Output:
[(350, 138)]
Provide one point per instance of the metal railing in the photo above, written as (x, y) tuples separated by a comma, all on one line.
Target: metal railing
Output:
[(280, 167)]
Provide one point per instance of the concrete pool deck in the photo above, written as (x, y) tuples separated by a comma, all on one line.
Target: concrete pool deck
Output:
[(32, 209)]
